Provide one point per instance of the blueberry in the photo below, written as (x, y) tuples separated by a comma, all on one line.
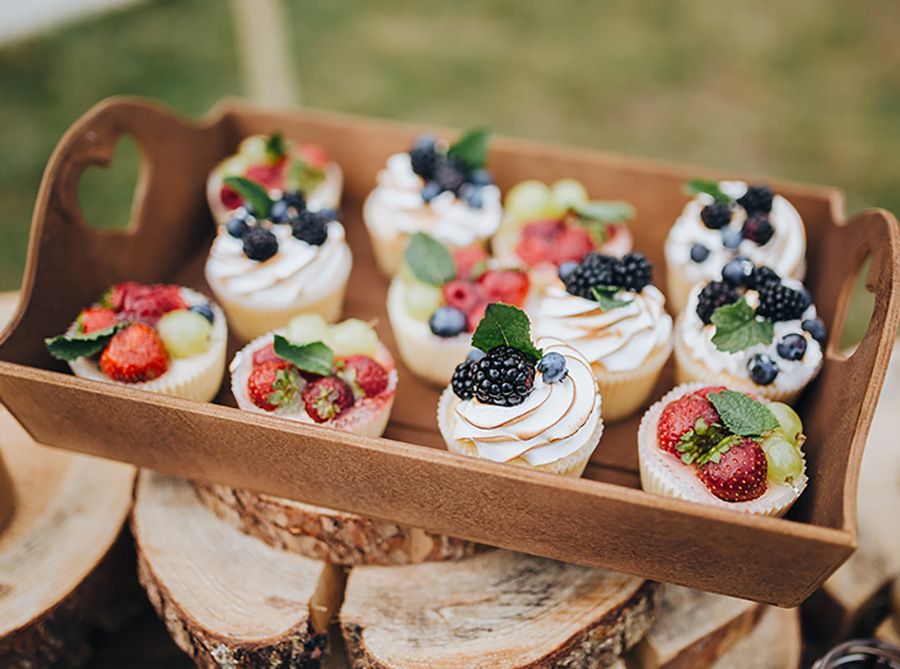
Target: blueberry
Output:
[(475, 355), (566, 268), (328, 214), (816, 329), (425, 142), (731, 238), (431, 190), (699, 253), (481, 177), (763, 369), (553, 367), (204, 309), (475, 199), (737, 272), (260, 244), (295, 199), (807, 298), (237, 227), (283, 211), (792, 346), (447, 321)]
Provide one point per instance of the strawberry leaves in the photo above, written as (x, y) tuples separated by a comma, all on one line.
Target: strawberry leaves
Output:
[(505, 325), (72, 347)]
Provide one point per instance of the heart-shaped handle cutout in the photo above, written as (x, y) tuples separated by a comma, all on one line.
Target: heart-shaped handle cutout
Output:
[(106, 194)]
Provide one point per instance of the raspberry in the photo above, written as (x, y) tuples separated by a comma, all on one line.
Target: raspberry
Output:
[(508, 286), (714, 295), (363, 374), (739, 475), (633, 272), (777, 302), (462, 381), (503, 377), (463, 295), (716, 216), (327, 398), (95, 319), (757, 199), (134, 355), (758, 229), (230, 197), (681, 415), (595, 270), (273, 384), (260, 244)]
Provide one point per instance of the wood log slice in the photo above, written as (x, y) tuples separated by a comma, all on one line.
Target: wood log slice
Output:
[(326, 534), (775, 643), (496, 609), (228, 599)]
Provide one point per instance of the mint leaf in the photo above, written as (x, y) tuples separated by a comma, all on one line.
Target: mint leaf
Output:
[(738, 328), (472, 148), (315, 357), (275, 147), (505, 325), (253, 193), (65, 347), (695, 186), (429, 260), (742, 414), (606, 297), (604, 211), (302, 176)]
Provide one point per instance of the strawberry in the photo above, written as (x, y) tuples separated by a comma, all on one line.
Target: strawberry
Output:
[(363, 374), (265, 354), (270, 176), (534, 250), (573, 244), (273, 384), (547, 230), (739, 475), (230, 197), (134, 354), (327, 398), (145, 303), (680, 416), (470, 261), (313, 155), (508, 286), (473, 318), (94, 319), (463, 295)]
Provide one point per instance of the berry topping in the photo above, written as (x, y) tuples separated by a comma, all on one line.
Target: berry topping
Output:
[(475, 355), (423, 156), (447, 321), (714, 295), (184, 333), (761, 276), (816, 329), (552, 367), (204, 309), (463, 295), (462, 381), (431, 190), (731, 238), (288, 208), (230, 198), (595, 270), (566, 269), (777, 302), (757, 199), (314, 155), (757, 228), (762, 369), (273, 384), (571, 244), (364, 375), (260, 244), (135, 354), (311, 227), (738, 271), (508, 286), (481, 177), (450, 173), (266, 354), (681, 416), (470, 261), (145, 303), (739, 475), (237, 227), (94, 319), (792, 346), (327, 398), (503, 377), (699, 253), (716, 216), (451, 168), (633, 272)]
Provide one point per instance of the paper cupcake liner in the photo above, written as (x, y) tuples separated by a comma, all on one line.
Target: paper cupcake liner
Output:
[(657, 477), (572, 465), (625, 392)]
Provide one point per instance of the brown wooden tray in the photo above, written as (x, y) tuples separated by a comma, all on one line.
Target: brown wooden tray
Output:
[(603, 519)]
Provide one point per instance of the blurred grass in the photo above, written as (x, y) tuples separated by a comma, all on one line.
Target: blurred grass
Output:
[(807, 90)]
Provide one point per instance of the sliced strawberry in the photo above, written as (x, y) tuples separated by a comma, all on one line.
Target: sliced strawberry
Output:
[(135, 354), (470, 262), (534, 250), (148, 303), (265, 354), (313, 155), (739, 475), (680, 416), (463, 295), (573, 244), (508, 286), (273, 384), (270, 176), (473, 318), (94, 319), (327, 398), (230, 198), (547, 229), (363, 374)]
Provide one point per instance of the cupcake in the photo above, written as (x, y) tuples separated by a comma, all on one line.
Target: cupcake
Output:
[(160, 338), (278, 166), (339, 375), (435, 188), (438, 298), (266, 267), (718, 446), (750, 330), (545, 226), (515, 402), (609, 311), (726, 220)]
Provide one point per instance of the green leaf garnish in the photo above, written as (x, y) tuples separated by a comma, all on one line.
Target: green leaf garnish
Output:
[(611, 211), (742, 414), (276, 149), (429, 260), (315, 357), (505, 325), (72, 347), (606, 297), (695, 186), (472, 148), (738, 328), (302, 176), (255, 194)]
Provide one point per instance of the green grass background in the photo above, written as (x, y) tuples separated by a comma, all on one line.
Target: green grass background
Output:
[(807, 90)]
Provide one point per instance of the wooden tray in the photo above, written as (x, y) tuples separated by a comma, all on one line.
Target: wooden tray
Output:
[(603, 519)]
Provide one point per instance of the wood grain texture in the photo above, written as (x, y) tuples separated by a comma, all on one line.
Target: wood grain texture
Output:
[(497, 609), (775, 643), (414, 483)]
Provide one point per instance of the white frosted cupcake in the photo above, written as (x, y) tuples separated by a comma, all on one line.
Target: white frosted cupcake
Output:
[(609, 311), (160, 338), (434, 188), (265, 272), (751, 331), (279, 166), (716, 446), (726, 220), (438, 298), (521, 405), (338, 375)]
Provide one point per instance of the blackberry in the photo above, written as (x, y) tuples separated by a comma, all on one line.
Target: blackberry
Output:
[(462, 381), (450, 172), (777, 302), (424, 157), (260, 244), (504, 377), (758, 229), (633, 272), (761, 276), (716, 216), (594, 270), (714, 295), (311, 227), (758, 198)]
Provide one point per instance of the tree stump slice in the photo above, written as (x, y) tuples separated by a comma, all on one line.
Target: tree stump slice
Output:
[(326, 534), (496, 609), (64, 567), (228, 599)]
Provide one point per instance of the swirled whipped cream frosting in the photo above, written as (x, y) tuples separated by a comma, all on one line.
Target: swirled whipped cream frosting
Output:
[(554, 421), (396, 207), (297, 273)]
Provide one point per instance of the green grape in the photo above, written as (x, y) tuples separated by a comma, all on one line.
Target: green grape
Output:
[(253, 148), (235, 165), (405, 274), (568, 193), (352, 336), (783, 459), (184, 333), (306, 328), (422, 299), (529, 200), (788, 420)]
